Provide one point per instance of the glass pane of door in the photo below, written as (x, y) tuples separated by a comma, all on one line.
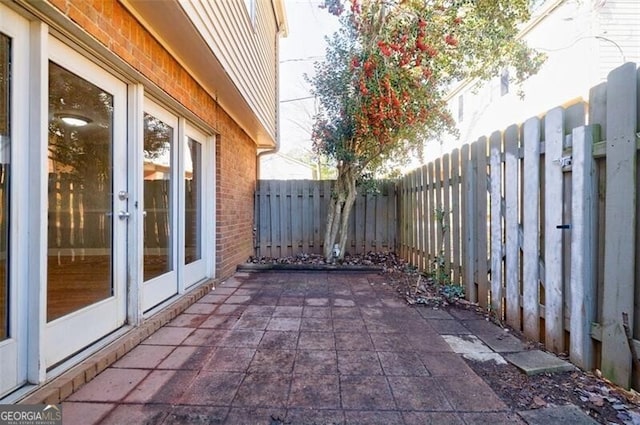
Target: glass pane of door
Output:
[(80, 210), (5, 139), (193, 201), (158, 197)]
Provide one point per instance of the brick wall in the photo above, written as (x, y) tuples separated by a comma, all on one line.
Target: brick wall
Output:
[(113, 26), (236, 174)]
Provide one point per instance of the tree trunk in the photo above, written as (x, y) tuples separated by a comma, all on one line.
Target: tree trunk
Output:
[(342, 199)]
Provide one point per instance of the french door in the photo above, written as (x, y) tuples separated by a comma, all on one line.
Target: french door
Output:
[(160, 190), (87, 204), (194, 148), (14, 47)]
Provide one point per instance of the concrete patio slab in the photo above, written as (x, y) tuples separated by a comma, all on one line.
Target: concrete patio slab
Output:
[(495, 337), (472, 348), (565, 415), (302, 348), (535, 361)]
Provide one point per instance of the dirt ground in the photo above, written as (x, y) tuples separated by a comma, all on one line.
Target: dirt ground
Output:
[(603, 401)]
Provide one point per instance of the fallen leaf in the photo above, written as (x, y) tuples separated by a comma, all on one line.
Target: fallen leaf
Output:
[(596, 400), (539, 401)]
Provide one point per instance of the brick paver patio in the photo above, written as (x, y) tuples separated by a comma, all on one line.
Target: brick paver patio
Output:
[(298, 348)]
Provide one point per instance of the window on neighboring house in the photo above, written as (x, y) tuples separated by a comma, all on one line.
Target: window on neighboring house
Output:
[(460, 108), (251, 10), (504, 82)]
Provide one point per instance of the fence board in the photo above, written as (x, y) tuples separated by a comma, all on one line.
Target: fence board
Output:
[(468, 222), (512, 266), (425, 213), (620, 220), (455, 215), (420, 223), (530, 220), (583, 248), (480, 159), (433, 230), (291, 218), (496, 222), (446, 209), (554, 291)]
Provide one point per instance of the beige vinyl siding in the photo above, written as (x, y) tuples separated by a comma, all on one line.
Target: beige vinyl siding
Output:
[(246, 51), (618, 21)]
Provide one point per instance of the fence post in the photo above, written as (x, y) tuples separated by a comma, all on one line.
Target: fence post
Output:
[(619, 266), (583, 248)]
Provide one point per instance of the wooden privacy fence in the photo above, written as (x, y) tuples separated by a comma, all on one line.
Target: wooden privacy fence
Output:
[(541, 224), (80, 215), (290, 218)]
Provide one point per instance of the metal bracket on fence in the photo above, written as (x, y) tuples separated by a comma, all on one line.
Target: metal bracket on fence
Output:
[(563, 226), (563, 161)]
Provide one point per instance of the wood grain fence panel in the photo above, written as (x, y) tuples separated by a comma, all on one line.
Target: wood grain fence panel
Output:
[(431, 223), (307, 217), (264, 217), (274, 205), (554, 290), (382, 219), (370, 222), (468, 205), (414, 217), (291, 218), (622, 92), (446, 207), (495, 163), (455, 216), (438, 207), (359, 219), (425, 217), (296, 216), (409, 217), (530, 224), (421, 221), (575, 116), (583, 249), (318, 226), (401, 221), (481, 221), (392, 230), (512, 260)]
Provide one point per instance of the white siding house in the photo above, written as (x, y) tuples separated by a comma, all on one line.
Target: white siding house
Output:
[(583, 41)]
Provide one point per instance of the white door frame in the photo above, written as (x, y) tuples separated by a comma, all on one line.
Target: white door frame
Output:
[(13, 357), (160, 288), (197, 270), (66, 335)]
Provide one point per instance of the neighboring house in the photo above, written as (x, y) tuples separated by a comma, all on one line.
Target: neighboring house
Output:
[(282, 167), (583, 41), (129, 133)]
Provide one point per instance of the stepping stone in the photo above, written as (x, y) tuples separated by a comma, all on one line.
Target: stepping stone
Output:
[(535, 361), (472, 348), (494, 336), (565, 415)]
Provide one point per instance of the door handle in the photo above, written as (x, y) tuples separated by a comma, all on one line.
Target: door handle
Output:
[(122, 215)]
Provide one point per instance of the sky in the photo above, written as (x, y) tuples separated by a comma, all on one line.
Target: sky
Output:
[(308, 25)]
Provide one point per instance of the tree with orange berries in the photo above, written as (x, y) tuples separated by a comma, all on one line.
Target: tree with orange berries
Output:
[(382, 86)]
